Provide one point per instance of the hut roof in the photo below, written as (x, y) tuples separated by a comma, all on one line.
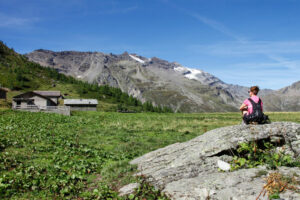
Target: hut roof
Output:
[(48, 93), (28, 95), (80, 101)]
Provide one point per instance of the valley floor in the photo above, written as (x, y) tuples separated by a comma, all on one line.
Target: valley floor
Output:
[(86, 155)]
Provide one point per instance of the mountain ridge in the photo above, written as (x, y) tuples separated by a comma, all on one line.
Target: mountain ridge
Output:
[(159, 81)]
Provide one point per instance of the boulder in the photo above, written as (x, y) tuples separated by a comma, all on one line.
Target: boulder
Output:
[(189, 170)]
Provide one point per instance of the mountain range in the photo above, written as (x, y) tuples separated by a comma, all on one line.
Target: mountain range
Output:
[(163, 83)]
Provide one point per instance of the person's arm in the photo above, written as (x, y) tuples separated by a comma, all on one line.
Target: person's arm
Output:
[(243, 107)]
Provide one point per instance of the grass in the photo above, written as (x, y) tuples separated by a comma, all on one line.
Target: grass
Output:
[(75, 155)]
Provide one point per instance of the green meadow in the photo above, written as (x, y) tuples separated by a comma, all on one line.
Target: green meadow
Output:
[(86, 155)]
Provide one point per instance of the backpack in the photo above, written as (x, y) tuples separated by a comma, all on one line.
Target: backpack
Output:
[(257, 115)]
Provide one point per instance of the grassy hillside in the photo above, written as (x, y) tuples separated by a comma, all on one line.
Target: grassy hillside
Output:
[(86, 156), (20, 75)]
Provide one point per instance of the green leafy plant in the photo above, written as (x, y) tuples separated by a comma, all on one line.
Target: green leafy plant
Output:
[(275, 195), (251, 155)]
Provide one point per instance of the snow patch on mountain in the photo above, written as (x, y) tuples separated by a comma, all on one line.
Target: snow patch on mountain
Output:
[(137, 59), (193, 74), (188, 72), (180, 69)]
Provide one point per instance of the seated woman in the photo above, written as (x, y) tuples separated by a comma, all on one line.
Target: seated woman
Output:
[(252, 108)]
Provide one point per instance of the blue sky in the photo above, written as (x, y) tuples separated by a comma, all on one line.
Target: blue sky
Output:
[(245, 42)]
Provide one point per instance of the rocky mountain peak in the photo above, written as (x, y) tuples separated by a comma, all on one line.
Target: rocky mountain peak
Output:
[(160, 63), (292, 89), (43, 51)]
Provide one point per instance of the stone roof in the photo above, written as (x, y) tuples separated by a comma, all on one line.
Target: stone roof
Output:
[(48, 93), (80, 101)]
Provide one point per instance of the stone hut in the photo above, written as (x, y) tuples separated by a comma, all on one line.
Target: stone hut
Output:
[(82, 104), (32, 100), (53, 95), (3, 92)]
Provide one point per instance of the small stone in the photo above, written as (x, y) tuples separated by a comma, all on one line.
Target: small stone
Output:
[(223, 165), (128, 189)]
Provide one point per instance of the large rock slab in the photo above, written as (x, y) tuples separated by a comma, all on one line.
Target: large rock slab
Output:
[(189, 170), (238, 185)]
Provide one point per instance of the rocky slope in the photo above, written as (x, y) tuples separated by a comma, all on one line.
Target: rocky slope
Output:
[(189, 170), (153, 79), (285, 99)]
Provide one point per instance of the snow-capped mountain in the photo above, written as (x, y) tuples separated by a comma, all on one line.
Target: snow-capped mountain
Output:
[(152, 79)]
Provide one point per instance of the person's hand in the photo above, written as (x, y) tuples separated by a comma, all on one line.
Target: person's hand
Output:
[(244, 108)]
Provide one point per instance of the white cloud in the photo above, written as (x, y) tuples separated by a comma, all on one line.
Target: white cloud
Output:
[(207, 21), (276, 55), (266, 75), (265, 55), (236, 48), (12, 21), (217, 26)]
